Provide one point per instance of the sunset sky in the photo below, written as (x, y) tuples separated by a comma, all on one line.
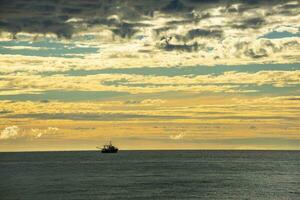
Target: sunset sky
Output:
[(172, 74)]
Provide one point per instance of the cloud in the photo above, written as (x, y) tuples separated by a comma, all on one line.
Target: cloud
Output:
[(180, 47), (37, 133), (290, 29), (204, 33), (122, 18), (293, 98), (10, 132), (134, 83), (254, 23), (121, 61), (96, 117), (14, 132), (153, 101), (115, 42), (260, 53), (145, 102), (97, 86), (177, 137), (200, 116), (175, 6)]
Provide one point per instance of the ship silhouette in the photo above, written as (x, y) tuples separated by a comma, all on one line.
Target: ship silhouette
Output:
[(108, 148)]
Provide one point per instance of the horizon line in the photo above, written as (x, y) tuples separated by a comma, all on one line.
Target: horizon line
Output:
[(41, 151)]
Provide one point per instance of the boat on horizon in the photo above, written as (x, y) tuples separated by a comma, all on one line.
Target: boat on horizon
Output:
[(108, 148)]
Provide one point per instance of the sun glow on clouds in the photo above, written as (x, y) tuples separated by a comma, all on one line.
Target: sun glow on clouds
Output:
[(179, 72)]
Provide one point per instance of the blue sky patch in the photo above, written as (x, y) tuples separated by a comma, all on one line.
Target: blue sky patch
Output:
[(44, 48), (278, 35), (64, 96), (182, 71)]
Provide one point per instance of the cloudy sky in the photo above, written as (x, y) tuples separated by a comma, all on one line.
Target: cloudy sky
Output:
[(171, 74)]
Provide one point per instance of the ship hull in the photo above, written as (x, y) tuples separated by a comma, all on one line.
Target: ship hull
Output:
[(109, 151)]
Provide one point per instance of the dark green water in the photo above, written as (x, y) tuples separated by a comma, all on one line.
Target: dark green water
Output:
[(150, 175)]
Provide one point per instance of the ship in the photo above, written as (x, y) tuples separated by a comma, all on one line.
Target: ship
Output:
[(108, 148)]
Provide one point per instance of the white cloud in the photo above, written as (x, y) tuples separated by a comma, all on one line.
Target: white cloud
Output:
[(290, 29), (37, 133), (10, 132), (177, 137), (13, 132)]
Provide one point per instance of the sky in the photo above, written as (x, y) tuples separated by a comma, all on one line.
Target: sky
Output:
[(149, 74)]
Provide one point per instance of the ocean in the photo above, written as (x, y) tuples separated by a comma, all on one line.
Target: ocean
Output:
[(150, 175)]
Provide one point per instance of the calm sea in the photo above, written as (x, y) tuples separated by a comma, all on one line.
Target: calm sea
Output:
[(150, 175)]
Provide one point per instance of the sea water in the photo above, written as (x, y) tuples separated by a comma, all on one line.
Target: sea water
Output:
[(150, 175)]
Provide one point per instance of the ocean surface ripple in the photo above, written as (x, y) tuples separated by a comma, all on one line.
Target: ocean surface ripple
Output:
[(150, 175)]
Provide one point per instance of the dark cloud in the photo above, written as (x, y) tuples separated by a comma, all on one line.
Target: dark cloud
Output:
[(124, 116), (94, 116), (189, 18), (158, 31), (180, 22), (204, 33), (266, 48), (125, 18), (83, 128), (36, 25), (175, 6), (239, 9), (256, 54), (272, 46), (4, 112), (204, 1), (132, 102), (72, 10), (51, 16), (166, 45), (181, 47), (256, 22), (127, 30), (124, 32), (289, 6), (44, 101), (294, 99)]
